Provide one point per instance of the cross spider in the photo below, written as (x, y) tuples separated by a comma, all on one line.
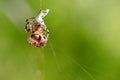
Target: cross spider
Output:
[(39, 33)]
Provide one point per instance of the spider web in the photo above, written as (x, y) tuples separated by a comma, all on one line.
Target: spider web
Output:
[(72, 61)]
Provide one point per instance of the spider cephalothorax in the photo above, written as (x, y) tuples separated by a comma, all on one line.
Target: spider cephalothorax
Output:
[(37, 28)]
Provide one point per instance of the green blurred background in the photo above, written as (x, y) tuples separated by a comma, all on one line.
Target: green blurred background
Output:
[(84, 42)]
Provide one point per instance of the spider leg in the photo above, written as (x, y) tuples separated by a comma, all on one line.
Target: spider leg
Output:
[(26, 28)]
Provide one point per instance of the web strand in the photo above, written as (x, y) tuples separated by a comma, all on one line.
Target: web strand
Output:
[(54, 55), (74, 61), (86, 71), (40, 4)]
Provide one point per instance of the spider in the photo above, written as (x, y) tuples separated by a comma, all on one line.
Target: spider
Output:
[(39, 32)]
